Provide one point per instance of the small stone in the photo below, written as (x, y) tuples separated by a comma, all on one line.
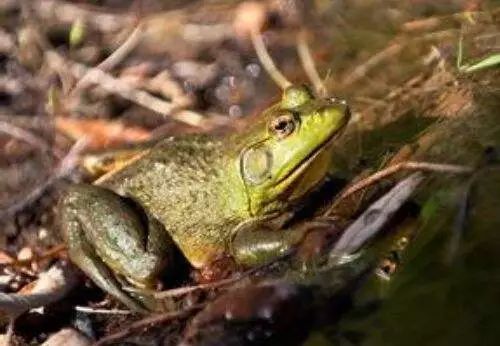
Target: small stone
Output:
[(235, 111), (5, 281), (253, 70), (25, 254), (67, 336), (43, 233)]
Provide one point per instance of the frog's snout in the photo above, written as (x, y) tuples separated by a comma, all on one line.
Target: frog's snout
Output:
[(340, 104), (336, 112)]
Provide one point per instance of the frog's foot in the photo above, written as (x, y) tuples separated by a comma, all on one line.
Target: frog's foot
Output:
[(256, 246), (105, 235), (85, 257)]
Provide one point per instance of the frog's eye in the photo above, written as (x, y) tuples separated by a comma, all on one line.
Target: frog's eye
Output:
[(256, 164), (283, 125)]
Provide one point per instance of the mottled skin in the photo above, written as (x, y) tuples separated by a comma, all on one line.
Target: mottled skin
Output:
[(209, 196)]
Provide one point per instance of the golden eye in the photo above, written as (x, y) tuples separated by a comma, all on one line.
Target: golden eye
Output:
[(283, 125)]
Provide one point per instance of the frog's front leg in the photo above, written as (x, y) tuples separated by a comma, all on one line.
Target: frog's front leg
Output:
[(254, 243), (106, 234)]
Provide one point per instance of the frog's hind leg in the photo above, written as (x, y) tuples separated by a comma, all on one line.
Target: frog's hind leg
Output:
[(105, 236)]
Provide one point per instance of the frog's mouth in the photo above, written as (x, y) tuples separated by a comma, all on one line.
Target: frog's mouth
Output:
[(309, 172), (308, 160)]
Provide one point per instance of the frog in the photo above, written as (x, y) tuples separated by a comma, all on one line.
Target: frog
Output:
[(206, 195)]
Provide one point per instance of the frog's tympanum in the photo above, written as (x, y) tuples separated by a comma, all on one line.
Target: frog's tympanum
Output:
[(209, 196)]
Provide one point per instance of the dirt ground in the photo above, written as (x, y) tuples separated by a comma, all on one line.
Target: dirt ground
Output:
[(85, 85)]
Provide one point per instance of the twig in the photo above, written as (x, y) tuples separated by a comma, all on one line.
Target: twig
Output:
[(361, 70), (456, 19), (147, 323), (175, 292), (89, 310), (267, 61), (123, 89), (50, 287), (308, 64), (10, 332), (114, 85), (115, 58), (61, 11), (65, 166), (6, 42), (374, 218), (22, 134), (408, 165), (392, 49), (50, 253)]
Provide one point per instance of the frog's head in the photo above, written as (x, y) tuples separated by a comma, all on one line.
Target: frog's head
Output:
[(288, 152)]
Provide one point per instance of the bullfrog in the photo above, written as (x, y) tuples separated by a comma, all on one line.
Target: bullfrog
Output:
[(207, 195)]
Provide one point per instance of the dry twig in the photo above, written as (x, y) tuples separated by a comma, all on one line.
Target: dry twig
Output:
[(374, 218), (64, 167), (267, 61), (308, 64), (49, 254), (123, 89), (23, 135), (90, 310), (147, 323), (113, 59), (65, 12), (176, 292), (50, 287), (394, 48), (408, 165)]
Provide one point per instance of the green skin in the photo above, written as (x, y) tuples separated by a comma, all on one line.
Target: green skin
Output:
[(209, 196)]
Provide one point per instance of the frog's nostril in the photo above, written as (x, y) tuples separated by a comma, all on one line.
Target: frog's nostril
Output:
[(336, 100), (347, 111)]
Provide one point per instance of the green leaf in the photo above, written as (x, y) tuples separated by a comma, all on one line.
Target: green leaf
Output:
[(490, 61)]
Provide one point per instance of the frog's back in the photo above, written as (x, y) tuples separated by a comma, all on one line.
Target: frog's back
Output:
[(183, 183)]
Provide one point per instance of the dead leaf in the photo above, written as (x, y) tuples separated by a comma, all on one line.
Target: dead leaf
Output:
[(101, 133)]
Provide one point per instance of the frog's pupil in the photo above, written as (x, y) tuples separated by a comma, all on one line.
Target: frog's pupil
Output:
[(281, 125)]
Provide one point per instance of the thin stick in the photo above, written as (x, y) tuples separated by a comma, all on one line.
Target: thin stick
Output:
[(185, 290), (9, 333), (373, 219), (50, 253), (56, 11), (146, 323), (408, 165), (89, 310), (114, 58), (51, 286), (393, 49), (308, 64), (123, 89), (64, 167), (267, 61), (22, 134)]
